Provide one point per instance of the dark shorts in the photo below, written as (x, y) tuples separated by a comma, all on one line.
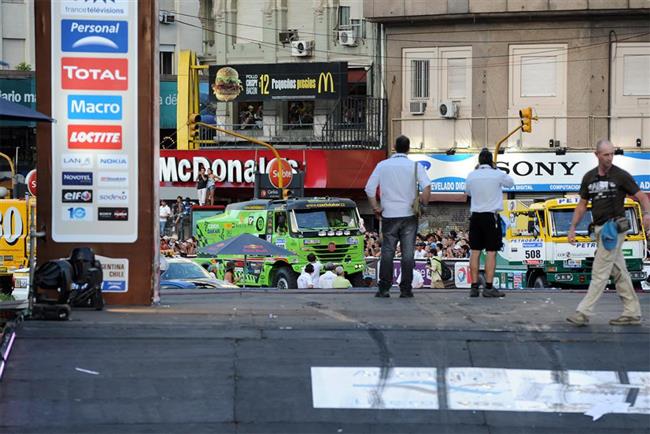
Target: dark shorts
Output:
[(485, 232)]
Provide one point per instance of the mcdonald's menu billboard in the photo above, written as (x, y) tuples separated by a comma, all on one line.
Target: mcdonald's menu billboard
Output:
[(266, 81)]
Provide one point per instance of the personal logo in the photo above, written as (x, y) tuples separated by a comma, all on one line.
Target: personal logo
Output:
[(77, 213), (92, 36), (112, 214), (93, 73), (95, 137), (76, 196), (113, 179), (120, 197), (77, 161), (77, 178), (95, 8), (95, 107), (113, 161)]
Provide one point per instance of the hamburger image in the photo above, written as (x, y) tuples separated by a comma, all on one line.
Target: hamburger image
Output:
[(226, 85)]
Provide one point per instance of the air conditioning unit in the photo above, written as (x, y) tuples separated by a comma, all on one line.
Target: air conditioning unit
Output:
[(288, 36), (166, 18), (417, 107), (301, 48), (346, 37), (448, 110)]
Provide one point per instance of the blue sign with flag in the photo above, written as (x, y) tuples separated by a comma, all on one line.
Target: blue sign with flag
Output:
[(93, 107), (94, 36)]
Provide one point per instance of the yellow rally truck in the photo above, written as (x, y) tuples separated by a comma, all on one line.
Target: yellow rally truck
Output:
[(327, 227), (14, 245), (537, 252)]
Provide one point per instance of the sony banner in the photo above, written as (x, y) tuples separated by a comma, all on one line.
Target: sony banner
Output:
[(532, 172)]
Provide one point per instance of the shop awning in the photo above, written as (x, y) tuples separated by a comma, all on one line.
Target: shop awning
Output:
[(12, 111)]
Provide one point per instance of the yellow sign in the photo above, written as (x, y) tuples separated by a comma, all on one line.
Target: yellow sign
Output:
[(326, 81)]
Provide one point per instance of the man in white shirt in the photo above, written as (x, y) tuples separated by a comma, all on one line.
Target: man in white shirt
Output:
[(396, 178), (420, 253), (305, 278), (418, 280), (317, 266), (327, 277), (485, 186), (164, 213)]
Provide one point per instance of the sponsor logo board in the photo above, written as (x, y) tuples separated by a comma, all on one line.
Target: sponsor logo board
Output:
[(77, 213), (113, 161), (77, 161), (115, 196), (77, 178), (95, 107), (94, 136), (88, 73), (76, 196), (112, 214), (113, 179), (93, 8), (94, 36)]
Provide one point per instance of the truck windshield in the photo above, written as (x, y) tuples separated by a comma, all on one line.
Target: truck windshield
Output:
[(561, 219), (335, 218)]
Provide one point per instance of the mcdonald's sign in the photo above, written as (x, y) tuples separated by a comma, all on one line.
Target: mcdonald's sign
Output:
[(277, 81), (326, 81)]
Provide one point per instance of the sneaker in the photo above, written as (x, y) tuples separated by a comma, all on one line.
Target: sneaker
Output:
[(624, 320), (493, 293), (474, 292), (578, 319), (382, 294), (408, 294)]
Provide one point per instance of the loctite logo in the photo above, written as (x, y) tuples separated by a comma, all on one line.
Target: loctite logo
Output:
[(94, 137), (94, 73)]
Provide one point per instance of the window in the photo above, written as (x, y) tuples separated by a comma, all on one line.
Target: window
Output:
[(636, 75), (300, 114), (456, 78), (419, 79), (248, 22), (344, 16), (540, 76), (166, 62), (250, 115)]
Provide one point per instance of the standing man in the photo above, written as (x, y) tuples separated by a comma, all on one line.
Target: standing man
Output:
[(202, 186), (485, 187), (606, 187), (164, 212), (396, 179)]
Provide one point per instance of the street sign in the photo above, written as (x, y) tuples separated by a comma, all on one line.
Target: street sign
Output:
[(275, 172), (30, 180)]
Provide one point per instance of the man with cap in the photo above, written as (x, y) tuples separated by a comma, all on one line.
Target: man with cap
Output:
[(606, 186), (341, 282), (327, 278), (485, 187)]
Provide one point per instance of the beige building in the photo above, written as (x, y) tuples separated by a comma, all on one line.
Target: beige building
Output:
[(458, 71)]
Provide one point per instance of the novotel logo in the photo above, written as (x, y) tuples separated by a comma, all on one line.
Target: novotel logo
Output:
[(77, 178)]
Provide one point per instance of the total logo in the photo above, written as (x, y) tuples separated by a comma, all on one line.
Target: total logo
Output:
[(77, 178), (76, 196), (95, 136), (95, 107), (95, 7), (77, 161), (77, 213), (90, 73), (90, 36), (113, 179), (120, 197), (115, 214), (113, 161)]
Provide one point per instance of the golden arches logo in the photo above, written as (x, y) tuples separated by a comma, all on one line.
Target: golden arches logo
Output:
[(325, 82)]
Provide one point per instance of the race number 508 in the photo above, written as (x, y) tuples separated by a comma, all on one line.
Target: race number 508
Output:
[(11, 225)]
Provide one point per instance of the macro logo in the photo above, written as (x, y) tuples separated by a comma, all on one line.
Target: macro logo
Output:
[(95, 107), (94, 73), (77, 213), (94, 137), (114, 214), (95, 8), (77, 161), (113, 161), (118, 197), (76, 196), (91, 36), (113, 179), (77, 178)]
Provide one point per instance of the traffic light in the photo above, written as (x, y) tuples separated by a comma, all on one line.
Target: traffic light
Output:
[(193, 126), (526, 115)]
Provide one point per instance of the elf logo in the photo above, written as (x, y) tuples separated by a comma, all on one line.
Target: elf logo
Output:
[(94, 137), (77, 196), (89, 73)]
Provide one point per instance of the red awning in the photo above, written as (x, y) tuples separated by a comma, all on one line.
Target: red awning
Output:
[(357, 75)]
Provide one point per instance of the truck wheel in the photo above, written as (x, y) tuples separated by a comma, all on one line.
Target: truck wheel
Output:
[(285, 278), (357, 280), (540, 282)]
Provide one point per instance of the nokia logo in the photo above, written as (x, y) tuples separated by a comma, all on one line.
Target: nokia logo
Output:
[(113, 161)]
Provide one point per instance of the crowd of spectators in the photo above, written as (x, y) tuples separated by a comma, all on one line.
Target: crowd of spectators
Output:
[(453, 245), (172, 246)]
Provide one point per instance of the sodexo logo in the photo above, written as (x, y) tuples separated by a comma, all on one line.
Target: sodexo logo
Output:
[(95, 107), (113, 161), (77, 213), (116, 196), (77, 178), (77, 161), (95, 8), (91, 36), (76, 196)]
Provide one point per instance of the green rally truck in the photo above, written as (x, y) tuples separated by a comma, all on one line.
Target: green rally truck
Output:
[(330, 228)]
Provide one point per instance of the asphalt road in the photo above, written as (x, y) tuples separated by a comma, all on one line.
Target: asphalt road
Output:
[(262, 362)]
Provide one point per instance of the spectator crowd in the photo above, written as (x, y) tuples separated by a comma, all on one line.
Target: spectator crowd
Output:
[(453, 245)]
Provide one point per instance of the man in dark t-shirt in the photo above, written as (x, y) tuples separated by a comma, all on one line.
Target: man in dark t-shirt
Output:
[(606, 187)]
